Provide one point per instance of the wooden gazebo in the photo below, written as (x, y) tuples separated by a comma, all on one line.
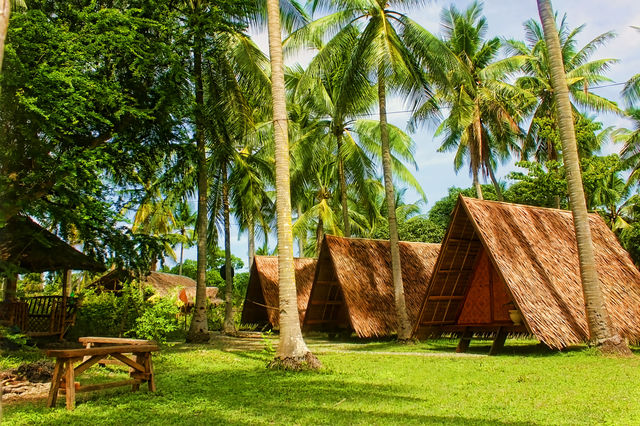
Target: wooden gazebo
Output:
[(25, 246)]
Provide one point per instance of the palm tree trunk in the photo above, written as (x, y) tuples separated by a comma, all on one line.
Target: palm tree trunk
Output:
[(301, 238), (181, 253), (228, 327), (5, 13), (404, 326), (476, 184), (600, 327), (343, 188), (292, 350), (199, 329), (495, 182), (319, 235), (252, 241)]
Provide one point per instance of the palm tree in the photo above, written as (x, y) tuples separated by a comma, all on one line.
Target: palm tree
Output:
[(580, 74), (484, 109), (631, 91), (380, 53), (600, 327), (5, 15), (630, 153), (292, 350)]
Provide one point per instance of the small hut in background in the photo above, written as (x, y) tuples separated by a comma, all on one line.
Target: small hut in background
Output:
[(353, 287), (507, 268), (162, 284), (262, 300), (25, 246)]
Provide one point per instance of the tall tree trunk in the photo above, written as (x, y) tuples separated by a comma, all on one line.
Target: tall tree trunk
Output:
[(495, 182), (181, 252), (252, 241), (199, 329), (228, 327), (343, 187), (476, 184), (404, 326), (292, 350), (319, 235), (600, 328), (302, 239), (5, 13)]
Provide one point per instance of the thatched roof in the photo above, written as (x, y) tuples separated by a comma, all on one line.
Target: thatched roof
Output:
[(534, 251), (362, 269), (262, 300), (162, 283), (28, 246)]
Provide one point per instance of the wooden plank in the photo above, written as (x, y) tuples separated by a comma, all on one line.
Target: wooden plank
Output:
[(136, 386), (115, 340), (104, 350), (326, 302), (58, 371), (128, 361), (436, 298), (70, 385), (91, 388), (88, 363), (152, 379)]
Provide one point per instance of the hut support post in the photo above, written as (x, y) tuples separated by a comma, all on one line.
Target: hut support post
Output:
[(465, 340), (498, 342), (66, 285), (10, 287)]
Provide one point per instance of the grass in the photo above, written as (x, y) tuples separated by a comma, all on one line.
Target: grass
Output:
[(363, 383)]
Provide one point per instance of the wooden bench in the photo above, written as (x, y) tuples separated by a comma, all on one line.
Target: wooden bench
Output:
[(91, 341), (64, 373)]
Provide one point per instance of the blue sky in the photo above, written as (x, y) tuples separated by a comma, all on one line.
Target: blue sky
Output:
[(505, 18)]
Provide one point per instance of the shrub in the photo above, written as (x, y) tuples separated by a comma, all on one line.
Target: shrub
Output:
[(158, 320)]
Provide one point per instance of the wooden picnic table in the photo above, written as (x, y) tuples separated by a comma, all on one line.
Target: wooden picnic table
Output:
[(64, 373)]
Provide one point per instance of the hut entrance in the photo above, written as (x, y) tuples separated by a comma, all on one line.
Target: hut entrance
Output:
[(327, 311)]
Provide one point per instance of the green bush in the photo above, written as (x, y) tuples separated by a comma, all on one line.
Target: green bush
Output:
[(158, 320)]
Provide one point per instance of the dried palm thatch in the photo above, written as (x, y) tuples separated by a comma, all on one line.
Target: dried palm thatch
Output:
[(353, 288), (27, 246), (262, 300), (163, 284), (534, 252)]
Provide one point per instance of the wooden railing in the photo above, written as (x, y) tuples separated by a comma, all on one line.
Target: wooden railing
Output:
[(46, 317)]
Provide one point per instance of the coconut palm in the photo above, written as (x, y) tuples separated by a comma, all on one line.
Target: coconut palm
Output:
[(484, 109), (600, 327), (5, 15), (292, 350), (380, 55), (581, 73)]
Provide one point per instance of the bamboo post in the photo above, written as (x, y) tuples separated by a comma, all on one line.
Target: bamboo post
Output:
[(66, 285)]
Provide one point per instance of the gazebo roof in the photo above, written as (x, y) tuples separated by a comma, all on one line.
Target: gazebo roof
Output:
[(29, 247)]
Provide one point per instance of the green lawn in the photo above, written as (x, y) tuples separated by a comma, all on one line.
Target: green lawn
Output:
[(216, 384)]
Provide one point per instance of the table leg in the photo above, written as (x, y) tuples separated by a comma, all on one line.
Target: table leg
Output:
[(136, 386), (149, 369), (70, 380), (58, 371)]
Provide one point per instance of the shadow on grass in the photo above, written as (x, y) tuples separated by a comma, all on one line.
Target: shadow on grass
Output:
[(256, 396)]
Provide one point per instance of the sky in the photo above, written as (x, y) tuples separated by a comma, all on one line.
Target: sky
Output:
[(505, 18)]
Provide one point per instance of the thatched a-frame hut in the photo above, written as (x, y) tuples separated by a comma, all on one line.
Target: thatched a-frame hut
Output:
[(498, 257), (162, 283), (353, 289), (26, 246), (262, 300)]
